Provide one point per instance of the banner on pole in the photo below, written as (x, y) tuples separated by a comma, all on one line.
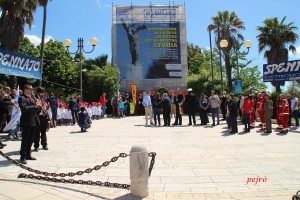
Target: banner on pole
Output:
[(285, 71), (16, 64), (238, 88), (133, 92)]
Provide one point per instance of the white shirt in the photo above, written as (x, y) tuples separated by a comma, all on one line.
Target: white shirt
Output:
[(293, 102)]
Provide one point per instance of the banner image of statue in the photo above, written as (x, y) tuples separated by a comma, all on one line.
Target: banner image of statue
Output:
[(133, 38)]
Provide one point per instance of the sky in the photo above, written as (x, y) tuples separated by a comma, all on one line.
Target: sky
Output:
[(93, 18)]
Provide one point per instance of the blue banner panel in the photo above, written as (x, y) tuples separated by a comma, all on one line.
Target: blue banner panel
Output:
[(286, 71), (238, 86), (16, 64)]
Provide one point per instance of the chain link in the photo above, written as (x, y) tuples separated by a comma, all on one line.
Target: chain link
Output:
[(71, 174), (296, 196), (152, 155)]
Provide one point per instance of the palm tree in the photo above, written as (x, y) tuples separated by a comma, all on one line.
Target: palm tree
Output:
[(44, 4), (274, 37), (230, 26), (15, 14)]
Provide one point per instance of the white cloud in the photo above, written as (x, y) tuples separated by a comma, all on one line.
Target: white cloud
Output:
[(296, 55), (99, 4), (37, 40)]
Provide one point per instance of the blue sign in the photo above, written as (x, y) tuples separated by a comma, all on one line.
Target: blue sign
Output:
[(285, 71), (16, 64), (238, 88)]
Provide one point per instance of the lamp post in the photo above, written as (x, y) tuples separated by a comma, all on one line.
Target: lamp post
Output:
[(221, 68), (236, 47), (80, 48), (211, 62)]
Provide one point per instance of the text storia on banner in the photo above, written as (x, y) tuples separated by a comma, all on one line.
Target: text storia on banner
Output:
[(16, 64)]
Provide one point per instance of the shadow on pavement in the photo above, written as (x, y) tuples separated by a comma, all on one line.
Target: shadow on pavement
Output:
[(56, 186), (77, 132), (128, 197)]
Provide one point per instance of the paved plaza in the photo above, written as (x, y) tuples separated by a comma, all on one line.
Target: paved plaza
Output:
[(192, 162)]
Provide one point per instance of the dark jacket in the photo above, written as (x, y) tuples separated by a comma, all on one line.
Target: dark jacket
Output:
[(232, 107), (156, 103), (190, 100), (53, 102), (166, 103), (82, 119), (29, 113), (73, 105)]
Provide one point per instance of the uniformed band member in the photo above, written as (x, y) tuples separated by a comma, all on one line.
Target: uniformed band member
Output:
[(278, 119), (30, 108), (42, 127), (233, 113), (261, 110), (268, 107), (166, 106), (284, 113)]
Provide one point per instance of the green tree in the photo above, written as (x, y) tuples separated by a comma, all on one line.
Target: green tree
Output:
[(59, 67), (15, 15), (252, 77), (101, 80), (230, 26), (274, 37)]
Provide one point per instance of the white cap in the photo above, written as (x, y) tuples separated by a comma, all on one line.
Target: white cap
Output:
[(190, 89)]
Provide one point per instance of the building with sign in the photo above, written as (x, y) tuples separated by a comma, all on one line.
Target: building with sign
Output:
[(149, 45)]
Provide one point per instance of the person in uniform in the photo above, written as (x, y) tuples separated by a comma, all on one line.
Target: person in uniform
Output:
[(278, 118), (284, 113), (268, 107), (41, 128), (166, 106), (261, 110), (233, 114), (191, 102), (30, 108)]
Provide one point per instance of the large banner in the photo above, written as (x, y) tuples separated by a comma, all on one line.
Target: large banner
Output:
[(147, 42), (286, 71), (16, 64)]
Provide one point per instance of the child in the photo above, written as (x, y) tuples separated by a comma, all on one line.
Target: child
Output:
[(94, 110), (121, 107), (63, 115), (68, 115), (49, 111), (89, 110), (58, 117), (98, 110)]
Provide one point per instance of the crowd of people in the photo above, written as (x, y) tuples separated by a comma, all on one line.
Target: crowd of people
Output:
[(245, 107), (34, 113)]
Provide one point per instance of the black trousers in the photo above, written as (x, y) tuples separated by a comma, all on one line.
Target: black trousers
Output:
[(246, 120), (40, 133), (167, 116), (232, 123), (27, 141), (192, 113), (203, 116), (74, 113), (178, 118)]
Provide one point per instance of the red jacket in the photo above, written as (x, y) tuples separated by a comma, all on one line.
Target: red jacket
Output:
[(247, 107), (102, 100)]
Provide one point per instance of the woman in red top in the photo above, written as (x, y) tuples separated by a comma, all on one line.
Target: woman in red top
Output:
[(247, 108)]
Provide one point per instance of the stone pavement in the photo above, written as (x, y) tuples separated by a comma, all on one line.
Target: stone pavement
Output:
[(192, 162)]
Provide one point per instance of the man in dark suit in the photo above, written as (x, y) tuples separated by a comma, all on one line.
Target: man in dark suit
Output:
[(73, 105), (191, 102), (30, 109), (178, 102), (233, 113)]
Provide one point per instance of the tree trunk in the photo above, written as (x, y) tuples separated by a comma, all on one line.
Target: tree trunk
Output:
[(43, 42), (228, 73)]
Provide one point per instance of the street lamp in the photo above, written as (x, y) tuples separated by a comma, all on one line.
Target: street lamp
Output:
[(211, 62), (236, 47), (80, 48)]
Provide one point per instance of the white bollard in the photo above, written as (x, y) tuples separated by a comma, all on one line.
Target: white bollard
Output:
[(139, 173)]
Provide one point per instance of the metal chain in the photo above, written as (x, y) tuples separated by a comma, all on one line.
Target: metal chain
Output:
[(88, 170), (296, 196), (72, 181), (152, 155)]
